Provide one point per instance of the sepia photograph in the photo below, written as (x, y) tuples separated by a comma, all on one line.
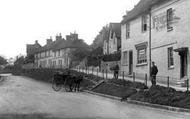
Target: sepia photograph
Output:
[(94, 59)]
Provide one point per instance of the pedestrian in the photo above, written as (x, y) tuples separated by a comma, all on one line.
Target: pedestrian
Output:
[(116, 71), (153, 73)]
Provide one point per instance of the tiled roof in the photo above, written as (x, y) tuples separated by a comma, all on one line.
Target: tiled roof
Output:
[(32, 48), (142, 7), (71, 44), (116, 27), (50, 46)]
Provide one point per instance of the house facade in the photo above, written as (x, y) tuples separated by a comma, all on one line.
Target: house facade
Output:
[(58, 53), (163, 25), (112, 39), (111, 46), (45, 55)]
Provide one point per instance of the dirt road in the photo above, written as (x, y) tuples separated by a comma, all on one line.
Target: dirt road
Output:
[(25, 98)]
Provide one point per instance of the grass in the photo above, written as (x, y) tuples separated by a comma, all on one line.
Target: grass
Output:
[(111, 89)]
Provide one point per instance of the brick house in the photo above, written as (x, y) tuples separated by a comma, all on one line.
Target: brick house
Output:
[(169, 36)]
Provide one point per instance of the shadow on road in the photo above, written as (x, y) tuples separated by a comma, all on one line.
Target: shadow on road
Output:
[(39, 116), (27, 116)]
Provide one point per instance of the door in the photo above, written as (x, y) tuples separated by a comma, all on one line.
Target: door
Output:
[(183, 64), (130, 62)]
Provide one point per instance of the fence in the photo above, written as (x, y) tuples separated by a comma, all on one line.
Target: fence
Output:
[(166, 81)]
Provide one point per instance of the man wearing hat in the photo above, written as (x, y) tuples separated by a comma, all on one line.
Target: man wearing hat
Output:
[(153, 73)]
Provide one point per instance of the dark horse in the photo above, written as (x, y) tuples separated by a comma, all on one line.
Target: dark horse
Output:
[(68, 80)]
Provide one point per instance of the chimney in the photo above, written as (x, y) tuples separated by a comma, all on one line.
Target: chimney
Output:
[(48, 41), (36, 41), (58, 37)]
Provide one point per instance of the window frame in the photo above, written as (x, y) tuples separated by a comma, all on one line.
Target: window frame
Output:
[(144, 23), (127, 30), (170, 58), (169, 15), (125, 58), (140, 47)]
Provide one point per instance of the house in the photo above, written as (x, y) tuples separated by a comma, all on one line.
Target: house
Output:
[(112, 38), (62, 53), (31, 49), (157, 30), (58, 53), (45, 55), (111, 46)]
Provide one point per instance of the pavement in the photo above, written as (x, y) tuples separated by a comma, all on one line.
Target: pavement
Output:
[(110, 76), (25, 98)]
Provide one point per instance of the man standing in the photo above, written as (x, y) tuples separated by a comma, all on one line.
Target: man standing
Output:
[(153, 73), (116, 71)]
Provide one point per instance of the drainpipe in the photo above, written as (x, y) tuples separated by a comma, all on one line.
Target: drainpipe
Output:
[(150, 38)]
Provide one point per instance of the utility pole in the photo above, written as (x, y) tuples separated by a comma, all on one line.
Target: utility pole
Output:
[(150, 38)]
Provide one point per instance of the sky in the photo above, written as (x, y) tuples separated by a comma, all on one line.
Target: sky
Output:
[(24, 21)]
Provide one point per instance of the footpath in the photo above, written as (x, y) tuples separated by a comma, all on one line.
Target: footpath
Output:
[(110, 76)]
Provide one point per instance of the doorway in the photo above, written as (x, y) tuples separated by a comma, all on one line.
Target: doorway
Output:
[(130, 62), (183, 64)]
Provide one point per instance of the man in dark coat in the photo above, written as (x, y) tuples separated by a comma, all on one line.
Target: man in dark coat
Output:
[(153, 73), (116, 71)]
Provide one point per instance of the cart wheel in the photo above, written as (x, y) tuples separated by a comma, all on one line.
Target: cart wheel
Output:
[(56, 85)]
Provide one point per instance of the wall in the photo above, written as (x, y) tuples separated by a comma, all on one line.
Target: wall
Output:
[(178, 37)]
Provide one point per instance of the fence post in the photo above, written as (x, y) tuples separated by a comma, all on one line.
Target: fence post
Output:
[(187, 84), (97, 72), (103, 73), (146, 79), (106, 74), (168, 81), (123, 75), (133, 76)]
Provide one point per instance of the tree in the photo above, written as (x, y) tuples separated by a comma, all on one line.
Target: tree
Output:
[(19, 61), (3, 61), (79, 51)]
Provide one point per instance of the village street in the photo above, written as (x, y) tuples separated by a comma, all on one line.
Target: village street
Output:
[(25, 97)]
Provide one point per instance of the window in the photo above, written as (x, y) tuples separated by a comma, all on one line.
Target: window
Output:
[(144, 23), (54, 63), (59, 53), (169, 19), (111, 34), (49, 53), (54, 54), (125, 58), (170, 58), (141, 53), (141, 56), (127, 30), (60, 63)]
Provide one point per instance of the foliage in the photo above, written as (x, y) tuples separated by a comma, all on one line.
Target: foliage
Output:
[(112, 57), (80, 50), (99, 39), (3, 61), (19, 61), (29, 59)]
